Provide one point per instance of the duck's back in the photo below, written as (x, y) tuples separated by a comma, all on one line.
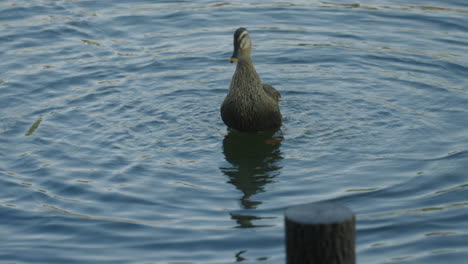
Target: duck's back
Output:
[(251, 109)]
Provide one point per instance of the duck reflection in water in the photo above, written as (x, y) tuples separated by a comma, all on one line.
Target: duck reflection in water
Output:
[(254, 159)]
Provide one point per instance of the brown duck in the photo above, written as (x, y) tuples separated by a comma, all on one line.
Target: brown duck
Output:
[(250, 105)]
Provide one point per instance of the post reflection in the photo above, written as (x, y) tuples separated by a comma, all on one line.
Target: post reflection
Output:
[(254, 160)]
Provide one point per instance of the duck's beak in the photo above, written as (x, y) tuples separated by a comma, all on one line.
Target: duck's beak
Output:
[(234, 56)]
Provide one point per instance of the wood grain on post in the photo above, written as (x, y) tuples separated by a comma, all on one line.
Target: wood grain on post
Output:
[(320, 233)]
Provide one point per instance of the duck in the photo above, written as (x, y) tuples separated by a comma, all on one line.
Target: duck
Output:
[(250, 105)]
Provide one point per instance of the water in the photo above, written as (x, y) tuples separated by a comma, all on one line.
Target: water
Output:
[(113, 151)]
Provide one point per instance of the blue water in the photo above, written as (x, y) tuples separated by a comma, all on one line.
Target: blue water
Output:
[(112, 149)]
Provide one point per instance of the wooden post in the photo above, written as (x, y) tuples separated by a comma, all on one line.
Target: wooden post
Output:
[(320, 233)]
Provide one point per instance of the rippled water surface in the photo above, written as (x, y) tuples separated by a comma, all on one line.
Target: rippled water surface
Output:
[(112, 149)]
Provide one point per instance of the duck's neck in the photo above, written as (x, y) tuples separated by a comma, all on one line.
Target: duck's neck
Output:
[(246, 73)]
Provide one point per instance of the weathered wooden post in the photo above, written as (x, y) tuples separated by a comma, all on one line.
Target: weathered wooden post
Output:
[(320, 233)]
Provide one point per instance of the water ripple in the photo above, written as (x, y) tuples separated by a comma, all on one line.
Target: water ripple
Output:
[(113, 151)]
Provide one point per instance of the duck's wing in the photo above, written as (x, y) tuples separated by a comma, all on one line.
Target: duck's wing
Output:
[(272, 92)]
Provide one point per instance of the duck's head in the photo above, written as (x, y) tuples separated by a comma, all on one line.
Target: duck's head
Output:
[(242, 44)]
